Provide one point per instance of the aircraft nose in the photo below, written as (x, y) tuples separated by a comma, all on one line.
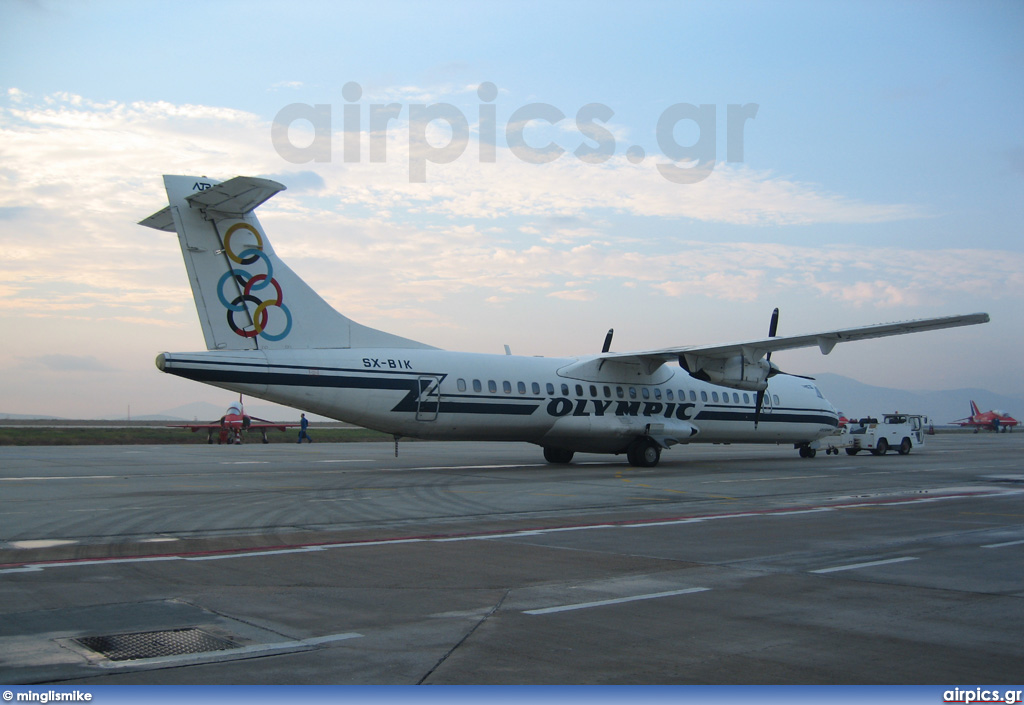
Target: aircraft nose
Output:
[(160, 362)]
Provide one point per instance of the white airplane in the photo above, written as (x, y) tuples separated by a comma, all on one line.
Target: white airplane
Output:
[(269, 335)]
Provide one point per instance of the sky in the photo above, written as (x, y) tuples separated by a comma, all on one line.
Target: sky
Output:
[(472, 175)]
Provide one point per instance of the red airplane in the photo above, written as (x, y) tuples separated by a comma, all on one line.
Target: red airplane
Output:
[(992, 420), (229, 428)]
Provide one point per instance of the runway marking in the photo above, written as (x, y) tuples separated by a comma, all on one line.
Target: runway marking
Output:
[(616, 601), (476, 467), (60, 477), (42, 543), (1005, 543), (857, 566), (26, 567), (342, 461), (769, 479)]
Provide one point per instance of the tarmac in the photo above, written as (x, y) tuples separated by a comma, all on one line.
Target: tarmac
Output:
[(472, 563)]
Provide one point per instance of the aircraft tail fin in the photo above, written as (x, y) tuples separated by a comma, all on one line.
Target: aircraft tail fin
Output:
[(246, 297), (974, 409)]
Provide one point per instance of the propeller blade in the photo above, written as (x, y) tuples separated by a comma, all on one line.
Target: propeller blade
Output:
[(773, 328), (608, 341)]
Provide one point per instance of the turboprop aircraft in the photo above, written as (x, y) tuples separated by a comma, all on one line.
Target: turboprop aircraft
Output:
[(270, 336), (233, 423)]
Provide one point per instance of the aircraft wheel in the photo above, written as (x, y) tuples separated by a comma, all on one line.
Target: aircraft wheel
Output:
[(881, 448), (852, 451), (905, 447), (558, 455), (807, 452), (643, 453)]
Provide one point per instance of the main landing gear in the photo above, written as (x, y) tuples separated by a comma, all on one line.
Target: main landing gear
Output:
[(558, 456), (643, 453), (806, 451)]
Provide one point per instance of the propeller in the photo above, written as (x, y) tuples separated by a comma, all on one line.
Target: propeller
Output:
[(773, 327)]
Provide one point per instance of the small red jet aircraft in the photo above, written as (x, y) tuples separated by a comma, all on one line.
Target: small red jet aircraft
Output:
[(992, 420), (232, 423)]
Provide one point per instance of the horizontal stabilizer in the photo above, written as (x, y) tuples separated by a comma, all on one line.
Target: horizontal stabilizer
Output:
[(161, 220), (235, 197)]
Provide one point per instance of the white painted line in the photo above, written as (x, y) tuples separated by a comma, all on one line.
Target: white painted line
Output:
[(855, 566), (617, 601), (59, 477), (476, 467), (1006, 543), (43, 543), (278, 552)]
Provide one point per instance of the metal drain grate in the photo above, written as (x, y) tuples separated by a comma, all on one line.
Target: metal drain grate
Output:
[(171, 642)]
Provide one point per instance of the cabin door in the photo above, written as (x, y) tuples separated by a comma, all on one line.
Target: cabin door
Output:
[(428, 402)]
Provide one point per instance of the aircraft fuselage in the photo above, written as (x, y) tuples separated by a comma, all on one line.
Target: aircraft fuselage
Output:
[(554, 402)]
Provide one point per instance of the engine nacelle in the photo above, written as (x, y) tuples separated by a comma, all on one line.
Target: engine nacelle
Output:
[(735, 372)]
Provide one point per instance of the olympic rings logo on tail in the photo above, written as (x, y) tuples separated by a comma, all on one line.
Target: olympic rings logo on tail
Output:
[(249, 283)]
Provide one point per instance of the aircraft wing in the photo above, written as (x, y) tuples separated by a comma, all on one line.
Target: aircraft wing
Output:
[(755, 349), (204, 426)]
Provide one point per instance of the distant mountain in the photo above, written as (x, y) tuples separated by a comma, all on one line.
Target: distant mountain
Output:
[(856, 399), (21, 417)]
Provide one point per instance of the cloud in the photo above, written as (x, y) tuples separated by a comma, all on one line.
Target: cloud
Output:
[(372, 242), (70, 363)]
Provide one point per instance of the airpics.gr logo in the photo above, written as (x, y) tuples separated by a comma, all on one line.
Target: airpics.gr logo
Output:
[(269, 327)]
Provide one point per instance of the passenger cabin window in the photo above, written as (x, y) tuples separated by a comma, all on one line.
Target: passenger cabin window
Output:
[(714, 396), (632, 392), (746, 398), (618, 392), (477, 387), (657, 393), (703, 396), (607, 392), (461, 385), (536, 388), (593, 391), (693, 395), (492, 386), (506, 387), (668, 394), (579, 390), (551, 389), (565, 390), (645, 392), (775, 399), (522, 387), (735, 398)]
